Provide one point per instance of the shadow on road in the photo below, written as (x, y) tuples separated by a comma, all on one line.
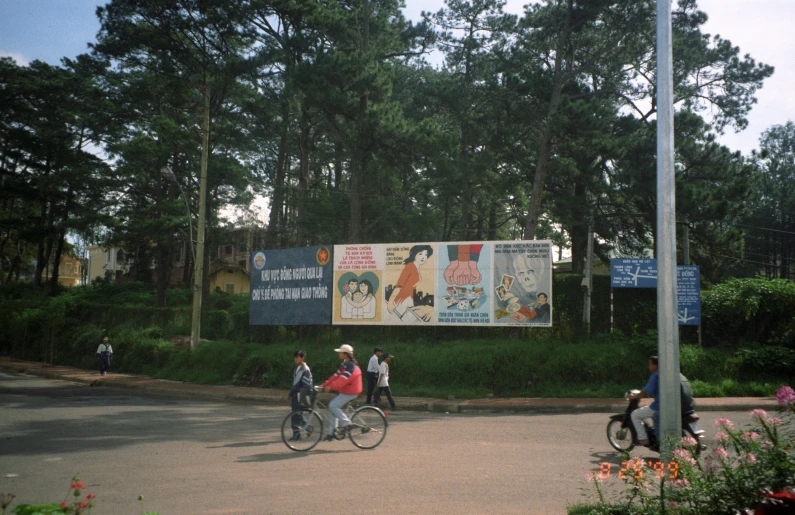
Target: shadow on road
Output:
[(265, 458)]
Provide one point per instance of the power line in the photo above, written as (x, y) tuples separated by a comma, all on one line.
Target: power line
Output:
[(765, 229)]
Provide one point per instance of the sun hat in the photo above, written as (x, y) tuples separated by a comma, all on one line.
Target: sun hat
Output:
[(345, 348), (387, 355)]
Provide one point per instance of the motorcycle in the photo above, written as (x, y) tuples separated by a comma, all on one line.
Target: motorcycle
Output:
[(623, 437)]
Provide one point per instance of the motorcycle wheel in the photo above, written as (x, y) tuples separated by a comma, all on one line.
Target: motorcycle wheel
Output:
[(619, 437)]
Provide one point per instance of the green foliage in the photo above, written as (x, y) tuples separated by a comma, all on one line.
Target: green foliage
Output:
[(751, 310)]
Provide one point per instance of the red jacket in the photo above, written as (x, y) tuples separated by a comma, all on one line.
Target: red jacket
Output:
[(348, 379)]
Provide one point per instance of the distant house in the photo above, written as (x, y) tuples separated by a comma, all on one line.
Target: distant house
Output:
[(70, 272), (563, 266), (230, 262)]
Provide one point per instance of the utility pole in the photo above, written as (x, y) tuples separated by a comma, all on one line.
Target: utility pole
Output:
[(198, 275), (588, 279), (670, 429)]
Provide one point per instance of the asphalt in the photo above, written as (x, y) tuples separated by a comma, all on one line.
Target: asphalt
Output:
[(147, 385)]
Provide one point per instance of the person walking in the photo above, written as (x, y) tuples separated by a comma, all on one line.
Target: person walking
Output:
[(383, 382), (373, 368), (348, 382), (302, 380), (104, 353)]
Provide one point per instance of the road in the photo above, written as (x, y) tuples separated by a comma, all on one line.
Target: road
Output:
[(193, 457)]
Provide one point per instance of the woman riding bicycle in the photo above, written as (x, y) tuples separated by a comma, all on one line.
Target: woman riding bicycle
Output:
[(348, 382)]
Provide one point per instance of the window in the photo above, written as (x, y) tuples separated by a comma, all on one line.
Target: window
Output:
[(68, 268), (230, 288), (242, 263), (228, 250), (119, 257), (107, 257)]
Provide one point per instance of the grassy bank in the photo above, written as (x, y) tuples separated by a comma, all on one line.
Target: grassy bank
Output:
[(604, 367)]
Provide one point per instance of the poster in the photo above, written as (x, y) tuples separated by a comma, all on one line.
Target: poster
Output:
[(291, 287), (464, 278), (523, 283), (444, 283), (409, 284), (358, 284)]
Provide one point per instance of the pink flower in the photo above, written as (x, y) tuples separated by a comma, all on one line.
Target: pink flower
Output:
[(750, 458), (773, 421), (759, 413), (785, 396), (636, 463), (724, 423), (673, 505), (681, 483), (590, 476), (682, 455), (689, 441), (750, 436), (721, 436), (721, 453), (767, 444)]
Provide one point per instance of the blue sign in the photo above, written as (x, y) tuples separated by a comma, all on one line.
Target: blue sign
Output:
[(633, 273), (291, 287), (688, 294), (642, 273)]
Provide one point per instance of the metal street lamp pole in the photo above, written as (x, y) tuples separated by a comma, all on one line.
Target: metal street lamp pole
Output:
[(670, 428)]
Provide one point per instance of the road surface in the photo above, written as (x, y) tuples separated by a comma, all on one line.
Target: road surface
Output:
[(195, 457)]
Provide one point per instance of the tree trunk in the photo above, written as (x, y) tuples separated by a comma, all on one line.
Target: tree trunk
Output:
[(164, 260), (303, 179), (542, 163), (272, 236), (358, 162), (337, 166)]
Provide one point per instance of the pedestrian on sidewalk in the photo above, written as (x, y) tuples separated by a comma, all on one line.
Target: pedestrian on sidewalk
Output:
[(373, 369), (104, 353), (302, 383), (383, 382), (348, 382)]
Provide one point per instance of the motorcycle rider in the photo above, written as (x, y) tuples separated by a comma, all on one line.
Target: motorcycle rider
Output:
[(650, 411)]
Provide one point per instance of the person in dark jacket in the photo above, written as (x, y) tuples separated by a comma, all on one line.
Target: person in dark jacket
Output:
[(302, 380)]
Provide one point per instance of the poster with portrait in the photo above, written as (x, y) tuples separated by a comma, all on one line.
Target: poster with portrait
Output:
[(409, 284), (291, 286), (523, 283), (464, 281), (358, 286)]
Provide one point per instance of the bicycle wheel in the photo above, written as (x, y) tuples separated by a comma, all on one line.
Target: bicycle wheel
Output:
[(368, 427), (310, 430), (619, 437)]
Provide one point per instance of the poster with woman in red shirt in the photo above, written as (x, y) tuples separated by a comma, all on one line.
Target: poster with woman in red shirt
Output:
[(409, 284)]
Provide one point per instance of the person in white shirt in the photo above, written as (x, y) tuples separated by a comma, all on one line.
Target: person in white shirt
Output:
[(383, 382), (104, 353), (373, 369)]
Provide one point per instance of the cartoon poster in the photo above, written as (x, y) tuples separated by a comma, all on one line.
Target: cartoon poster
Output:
[(523, 279), (358, 285), (410, 284), (464, 283), (291, 287)]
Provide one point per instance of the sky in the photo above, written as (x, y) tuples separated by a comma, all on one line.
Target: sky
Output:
[(50, 29)]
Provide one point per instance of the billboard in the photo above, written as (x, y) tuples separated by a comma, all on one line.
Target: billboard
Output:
[(444, 283), (291, 286)]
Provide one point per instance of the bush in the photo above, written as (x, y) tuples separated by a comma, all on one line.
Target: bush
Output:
[(750, 310)]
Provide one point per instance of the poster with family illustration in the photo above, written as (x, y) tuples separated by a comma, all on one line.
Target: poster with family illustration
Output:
[(358, 289), (523, 278)]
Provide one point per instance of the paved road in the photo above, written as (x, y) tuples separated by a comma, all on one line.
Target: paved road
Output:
[(221, 458)]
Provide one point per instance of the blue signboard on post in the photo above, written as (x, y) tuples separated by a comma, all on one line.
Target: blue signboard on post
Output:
[(291, 287), (633, 273), (642, 273), (688, 294)]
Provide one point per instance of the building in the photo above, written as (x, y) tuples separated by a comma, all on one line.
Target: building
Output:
[(102, 260), (70, 272)]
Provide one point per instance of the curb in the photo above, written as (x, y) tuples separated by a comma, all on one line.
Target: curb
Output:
[(161, 387)]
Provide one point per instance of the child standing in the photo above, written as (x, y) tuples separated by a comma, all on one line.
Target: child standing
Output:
[(373, 369), (383, 382), (104, 353), (302, 379)]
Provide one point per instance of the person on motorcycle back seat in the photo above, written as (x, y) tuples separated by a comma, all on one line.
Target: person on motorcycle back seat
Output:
[(646, 412)]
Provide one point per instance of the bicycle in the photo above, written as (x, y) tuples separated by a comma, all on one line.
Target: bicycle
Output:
[(367, 428)]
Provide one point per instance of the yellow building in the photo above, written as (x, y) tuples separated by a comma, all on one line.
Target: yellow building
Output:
[(232, 279), (102, 259), (70, 272)]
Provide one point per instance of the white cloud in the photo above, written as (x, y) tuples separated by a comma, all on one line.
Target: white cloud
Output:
[(19, 58)]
